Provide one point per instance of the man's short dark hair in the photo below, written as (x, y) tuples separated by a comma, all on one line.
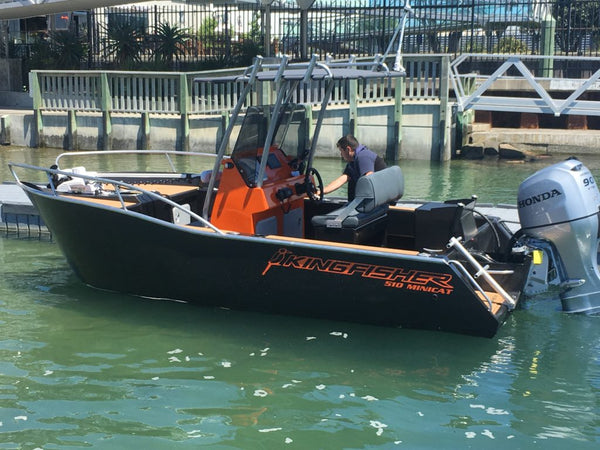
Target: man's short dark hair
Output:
[(348, 140)]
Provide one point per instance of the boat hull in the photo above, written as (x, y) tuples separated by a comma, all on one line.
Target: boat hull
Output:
[(128, 252)]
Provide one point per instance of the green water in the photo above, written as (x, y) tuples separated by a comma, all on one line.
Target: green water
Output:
[(82, 368)]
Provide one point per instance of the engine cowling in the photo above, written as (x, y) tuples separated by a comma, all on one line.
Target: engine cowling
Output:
[(560, 204)]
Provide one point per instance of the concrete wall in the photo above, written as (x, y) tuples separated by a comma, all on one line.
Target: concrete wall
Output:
[(421, 134), (420, 131)]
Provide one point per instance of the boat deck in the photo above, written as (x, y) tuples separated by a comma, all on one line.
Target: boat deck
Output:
[(18, 215), (496, 299)]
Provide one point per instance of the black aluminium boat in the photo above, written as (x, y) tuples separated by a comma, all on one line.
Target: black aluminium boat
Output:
[(254, 232)]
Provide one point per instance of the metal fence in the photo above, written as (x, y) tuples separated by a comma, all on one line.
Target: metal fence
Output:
[(229, 33)]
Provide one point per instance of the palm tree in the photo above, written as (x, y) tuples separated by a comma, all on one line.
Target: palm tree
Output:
[(170, 44), (125, 43), (68, 50)]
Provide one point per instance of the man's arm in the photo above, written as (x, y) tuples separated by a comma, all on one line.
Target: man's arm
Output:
[(335, 184)]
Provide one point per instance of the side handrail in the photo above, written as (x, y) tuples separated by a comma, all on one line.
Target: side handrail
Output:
[(118, 185), (482, 271)]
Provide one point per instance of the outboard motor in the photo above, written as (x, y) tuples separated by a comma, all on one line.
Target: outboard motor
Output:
[(560, 204)]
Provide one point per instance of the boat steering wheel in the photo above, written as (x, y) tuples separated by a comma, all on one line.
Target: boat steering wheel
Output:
[(314, 192)]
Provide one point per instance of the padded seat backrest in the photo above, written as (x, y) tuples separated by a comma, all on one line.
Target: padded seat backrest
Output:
[(379, 188), (372, 195)]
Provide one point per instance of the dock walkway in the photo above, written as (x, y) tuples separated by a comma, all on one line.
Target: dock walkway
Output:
[(17, 213)]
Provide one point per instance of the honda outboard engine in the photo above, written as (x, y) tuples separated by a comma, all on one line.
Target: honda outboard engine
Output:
[(560, 204)]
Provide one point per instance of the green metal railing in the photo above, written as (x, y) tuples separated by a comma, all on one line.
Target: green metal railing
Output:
[(176, 93)]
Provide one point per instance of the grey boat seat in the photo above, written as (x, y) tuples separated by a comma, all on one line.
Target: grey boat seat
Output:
[(363, 220)]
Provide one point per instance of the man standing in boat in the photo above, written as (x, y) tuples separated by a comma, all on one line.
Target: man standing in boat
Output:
[(361, 161)]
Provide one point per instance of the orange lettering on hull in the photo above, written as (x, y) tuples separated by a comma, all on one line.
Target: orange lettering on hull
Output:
[(393, 277)]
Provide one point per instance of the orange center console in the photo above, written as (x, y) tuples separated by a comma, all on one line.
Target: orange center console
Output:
[(274, 208)]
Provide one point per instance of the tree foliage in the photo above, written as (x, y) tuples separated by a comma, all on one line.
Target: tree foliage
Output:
[(125, 44), (69, 51), (249, 45), (573, 20), (170, 44), (511, 45), (58, 50)]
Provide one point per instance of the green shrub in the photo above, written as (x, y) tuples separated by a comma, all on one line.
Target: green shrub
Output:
[(511, 45)]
